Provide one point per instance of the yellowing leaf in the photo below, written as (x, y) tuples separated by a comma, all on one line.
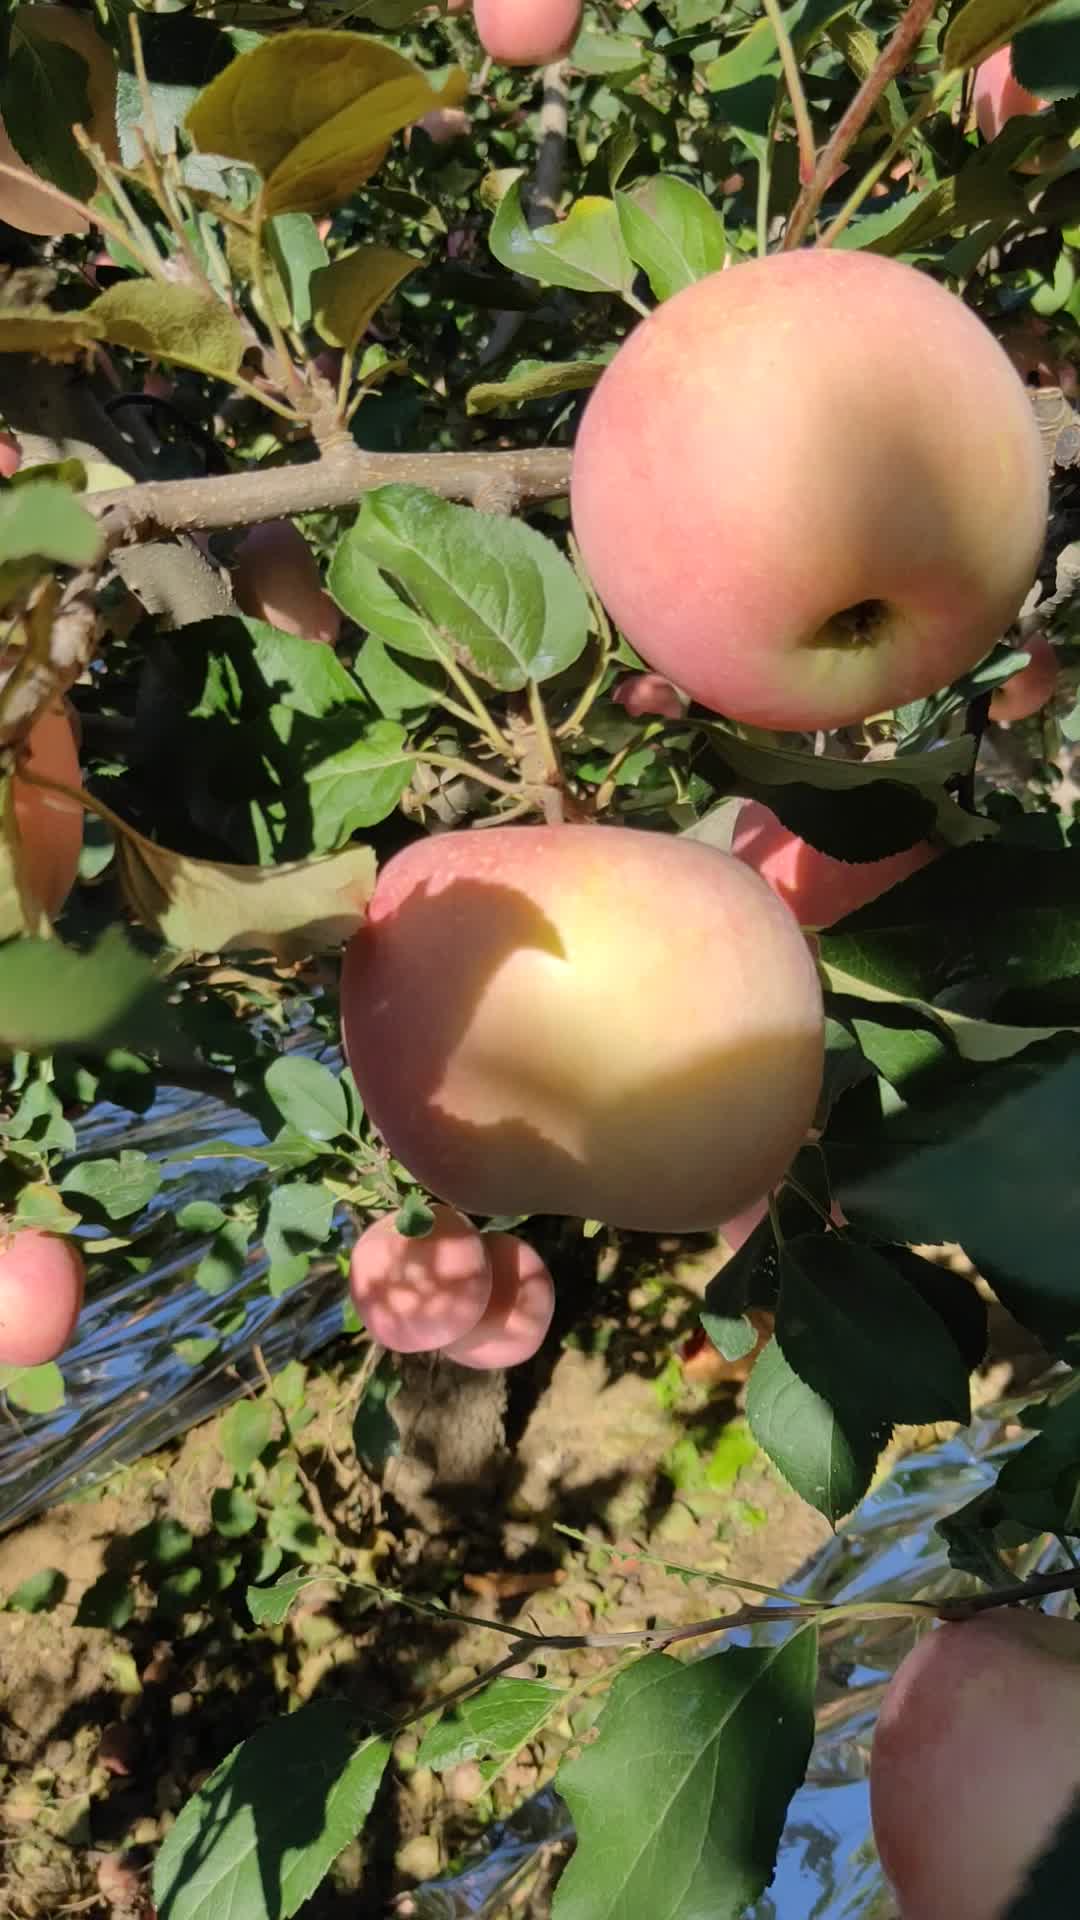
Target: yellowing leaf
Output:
[(52, 336), (207, 906), (313, 111), (178, 324), (346, 295)]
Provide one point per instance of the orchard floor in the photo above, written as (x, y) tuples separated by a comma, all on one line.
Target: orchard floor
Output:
[(104, 1730)]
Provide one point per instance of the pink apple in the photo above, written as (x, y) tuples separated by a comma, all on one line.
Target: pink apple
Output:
[(42, 1280), (518, 1315), (1029, 690), (276, 577), (417, 1294), (527, 33), (810, 488), (642, 693), (818, 889)]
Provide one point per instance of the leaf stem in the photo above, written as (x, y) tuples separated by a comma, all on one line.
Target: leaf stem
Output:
[(799, 108)]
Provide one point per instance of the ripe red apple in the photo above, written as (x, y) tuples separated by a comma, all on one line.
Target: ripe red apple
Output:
[(818, 889), (512, 1327), (10, 454), (50, 827), (418, 1294), (583, 1020), (810, 488), (23, 204), (276, 577), (642, 693), (527, 33), (998, 96), (1031, 688), (42, 1280), (976, 1758)]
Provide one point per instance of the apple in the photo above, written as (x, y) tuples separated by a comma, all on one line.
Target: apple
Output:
[(42, 1281), (527, 33), (818, 889), (585, 1020), (1038, 359), (810, 488), (642, 693), (512, 1327), (276, 577), (1030, 689), (998, 97), (10, 454), (415, 1295), (1002, 1683), (23, 204), (50, 828), (444, 124)]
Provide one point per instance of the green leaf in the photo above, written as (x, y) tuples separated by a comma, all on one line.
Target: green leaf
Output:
[(44, 95), (608, 54), (399, 692), (492, 591), (269, 1606), (298, 256), (490, 1726), (200, 1216), (585, 252), (43, 524), (108, 1602), (982, 25), (52, 997), (308, 1096), (37, 1389), (828, 1456), (40, 1205), (117, 1187), (855, 1332), (278, 1156), (298, 1221), (693, 1828), (246, 1430), (347, 294), (223, 1263), (233, 1512), (988, 1162), (1046, 55), (754, 54), (177, 324), (39, 1593), (356, 786), (671, 230), (264, 1830), (375, 1434), (213, 906), (533, 380)]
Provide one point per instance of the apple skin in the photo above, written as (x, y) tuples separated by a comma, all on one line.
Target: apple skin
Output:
[(583, 1020), (998, 96), (1000, 1683), (527, 33), (642, 693), (276, 577), (42, 1282), (10, 454), (445, 124), (50, 827), (810, 488), (26, 206), (415, 1295), (1029, 690), (818, 889), (519, 1313)]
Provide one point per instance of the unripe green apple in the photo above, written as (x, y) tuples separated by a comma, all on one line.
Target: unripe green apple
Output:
[(50, 827), (818, 889), (976, 1759), (513, 1324), (416, 1294), (276, 577), (527, 33), (810, 488), (42, 1281), (1029, 690), (584, 1020)]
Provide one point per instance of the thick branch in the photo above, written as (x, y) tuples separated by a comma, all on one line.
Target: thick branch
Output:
[(890, 62), (496, 481)]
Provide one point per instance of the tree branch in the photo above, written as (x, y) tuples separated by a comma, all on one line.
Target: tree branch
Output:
[(890, 62), (496, 481)]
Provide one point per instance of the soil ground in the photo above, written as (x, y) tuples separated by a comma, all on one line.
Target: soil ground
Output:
[(106, 1730)]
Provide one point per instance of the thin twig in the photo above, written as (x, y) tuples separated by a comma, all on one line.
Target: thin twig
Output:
[(788, 60), (889, 64)]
